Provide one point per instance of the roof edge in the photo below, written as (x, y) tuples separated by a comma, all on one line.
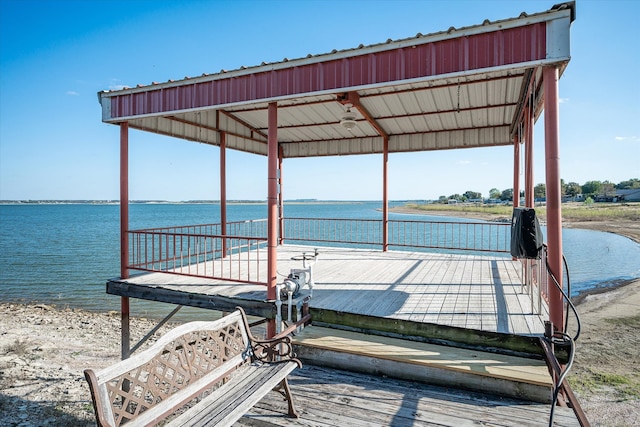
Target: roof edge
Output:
[(452, 32)]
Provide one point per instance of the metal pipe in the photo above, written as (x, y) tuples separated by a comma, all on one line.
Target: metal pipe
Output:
[(528, 162), (124, 237), (223, 190), (272, 207), (124, 200), (516, 171), (155, 329), (280, 198), (554, 212), (278, 309), (385, 194)]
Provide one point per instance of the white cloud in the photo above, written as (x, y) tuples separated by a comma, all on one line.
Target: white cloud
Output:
[(464, 162), (627, 138), (72, 93), (563, 100)]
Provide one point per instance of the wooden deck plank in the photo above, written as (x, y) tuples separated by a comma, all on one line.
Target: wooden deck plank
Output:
[(455, 359), (327, 397), (450, 289)]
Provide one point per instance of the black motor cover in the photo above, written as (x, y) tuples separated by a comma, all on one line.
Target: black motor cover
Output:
[(526, 235)]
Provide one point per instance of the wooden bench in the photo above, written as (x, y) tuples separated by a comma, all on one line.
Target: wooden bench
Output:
[(200, 373)]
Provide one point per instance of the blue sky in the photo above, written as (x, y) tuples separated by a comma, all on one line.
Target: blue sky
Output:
[(56, 55)]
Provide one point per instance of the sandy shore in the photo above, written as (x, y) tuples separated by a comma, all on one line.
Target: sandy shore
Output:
[(44, 350)]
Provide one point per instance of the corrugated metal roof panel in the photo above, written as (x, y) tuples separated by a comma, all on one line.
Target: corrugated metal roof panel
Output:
[(453, 89)]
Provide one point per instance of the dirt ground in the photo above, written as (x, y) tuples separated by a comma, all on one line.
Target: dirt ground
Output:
[(606, 371)]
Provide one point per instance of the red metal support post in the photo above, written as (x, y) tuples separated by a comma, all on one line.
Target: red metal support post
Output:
[(554, 196), (124, 235), (516, 171), (280, 198), (528, 159), (223, 190), (385, 194), (272, 207)]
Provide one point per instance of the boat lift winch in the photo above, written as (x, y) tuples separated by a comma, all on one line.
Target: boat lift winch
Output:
[(293, 284)]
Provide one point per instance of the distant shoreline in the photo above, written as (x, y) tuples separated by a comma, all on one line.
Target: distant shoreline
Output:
[(185, 202), (623, 227)]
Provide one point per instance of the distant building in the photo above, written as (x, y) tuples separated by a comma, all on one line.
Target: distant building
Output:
[(632, 195)]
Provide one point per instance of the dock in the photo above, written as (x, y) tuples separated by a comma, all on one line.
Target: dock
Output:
[(483, 293), (444, 318)]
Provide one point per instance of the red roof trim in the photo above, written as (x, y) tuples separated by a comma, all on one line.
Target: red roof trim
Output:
[(472, 52)]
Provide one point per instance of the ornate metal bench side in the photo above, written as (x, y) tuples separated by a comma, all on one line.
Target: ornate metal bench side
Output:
[(188, 361)]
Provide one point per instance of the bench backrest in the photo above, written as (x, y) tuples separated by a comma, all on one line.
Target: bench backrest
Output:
[(153, 383)]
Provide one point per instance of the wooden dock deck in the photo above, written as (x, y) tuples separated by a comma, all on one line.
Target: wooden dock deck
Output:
[(482, 293), (478, 301), (329, 397)]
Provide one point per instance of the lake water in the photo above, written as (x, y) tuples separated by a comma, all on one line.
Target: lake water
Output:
[(64, 253)]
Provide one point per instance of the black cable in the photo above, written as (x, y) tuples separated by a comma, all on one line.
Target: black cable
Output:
[(565, 337), (566, 297), (563, 374), (566, 269)]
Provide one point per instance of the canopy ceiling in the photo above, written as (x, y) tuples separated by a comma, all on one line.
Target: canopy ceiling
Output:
[(458, 88)]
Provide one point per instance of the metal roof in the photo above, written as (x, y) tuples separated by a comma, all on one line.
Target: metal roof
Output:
[(458, 88)]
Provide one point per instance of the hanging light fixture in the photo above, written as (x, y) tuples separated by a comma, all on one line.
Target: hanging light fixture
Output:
[(348, 119)]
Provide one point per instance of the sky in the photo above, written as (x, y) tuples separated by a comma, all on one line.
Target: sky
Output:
[(56, 55)]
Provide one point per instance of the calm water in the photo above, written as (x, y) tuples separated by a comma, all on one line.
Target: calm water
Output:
[(64, 254)]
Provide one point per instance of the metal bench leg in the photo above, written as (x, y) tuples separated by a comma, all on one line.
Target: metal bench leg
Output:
[(285, 391)]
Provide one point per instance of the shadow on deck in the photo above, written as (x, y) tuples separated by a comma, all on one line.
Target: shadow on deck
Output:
[(467, 300)]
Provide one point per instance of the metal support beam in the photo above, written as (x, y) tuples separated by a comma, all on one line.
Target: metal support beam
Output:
[(516, 171), (272, 207), (385, 194), (554, 197), (124, 236), (223, 190), (155, 329), (280, 197), (528, 160)]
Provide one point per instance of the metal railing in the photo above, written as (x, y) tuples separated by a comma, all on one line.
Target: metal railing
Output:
[(536, 280), (172, 250), (462, 236), (240, 254)]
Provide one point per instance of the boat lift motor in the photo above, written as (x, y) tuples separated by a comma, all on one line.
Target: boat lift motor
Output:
[(299, 277), (295, 281), (526, 236)]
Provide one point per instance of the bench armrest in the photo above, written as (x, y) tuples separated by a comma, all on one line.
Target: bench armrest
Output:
[(274, 351), (271, 350)]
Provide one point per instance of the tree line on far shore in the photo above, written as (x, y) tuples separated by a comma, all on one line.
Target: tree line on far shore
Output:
[(569, 189)]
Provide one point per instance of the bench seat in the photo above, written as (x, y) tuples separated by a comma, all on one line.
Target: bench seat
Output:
[(200, 373), (228, 403)]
